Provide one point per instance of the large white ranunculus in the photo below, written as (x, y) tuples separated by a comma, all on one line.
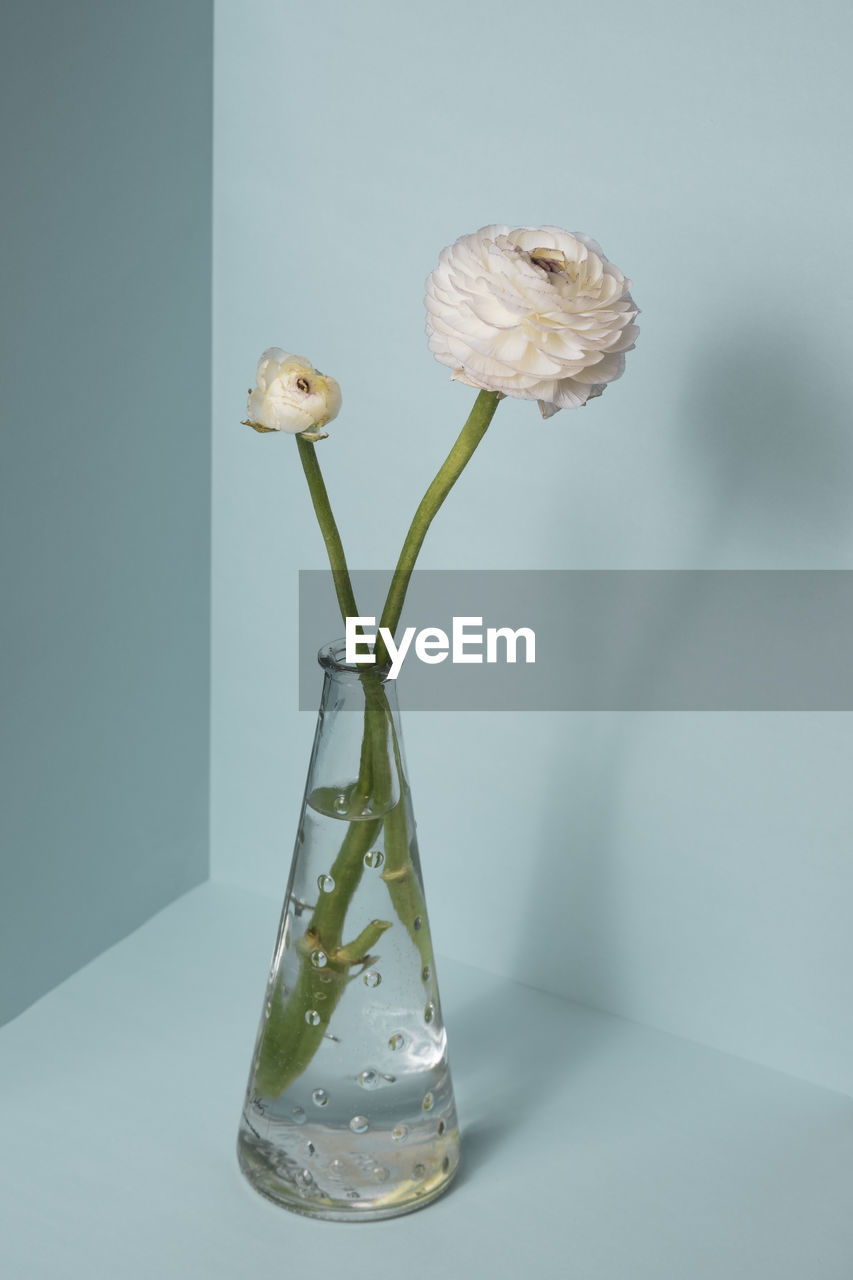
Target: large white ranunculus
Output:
[(532, 312), (291, 395)]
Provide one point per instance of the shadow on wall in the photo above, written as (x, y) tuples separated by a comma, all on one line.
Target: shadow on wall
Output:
[(766, 431), (767, 425)]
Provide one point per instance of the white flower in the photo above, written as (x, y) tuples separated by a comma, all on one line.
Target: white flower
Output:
[(291, 395), (532, 312)]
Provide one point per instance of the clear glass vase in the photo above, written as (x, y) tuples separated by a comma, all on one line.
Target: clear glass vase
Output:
[(349, 1110)]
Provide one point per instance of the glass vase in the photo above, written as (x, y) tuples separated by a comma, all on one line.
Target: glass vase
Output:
[(349, 1111)]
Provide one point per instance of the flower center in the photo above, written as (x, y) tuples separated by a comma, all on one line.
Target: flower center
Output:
[(550, 260)]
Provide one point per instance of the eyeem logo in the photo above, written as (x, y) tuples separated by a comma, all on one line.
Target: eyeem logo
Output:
[(432, 645)]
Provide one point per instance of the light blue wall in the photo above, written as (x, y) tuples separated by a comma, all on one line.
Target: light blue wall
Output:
[(694, 872), (105, 322)]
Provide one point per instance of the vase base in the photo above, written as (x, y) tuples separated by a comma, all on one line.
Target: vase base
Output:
[(382, 1192)]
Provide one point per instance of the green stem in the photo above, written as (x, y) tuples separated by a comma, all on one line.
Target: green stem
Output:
[(400, 876), (446, 477), (289, 1042), (328, 528)]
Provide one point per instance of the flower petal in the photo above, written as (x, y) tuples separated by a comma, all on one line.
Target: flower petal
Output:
[(533, 312), (291, 395)]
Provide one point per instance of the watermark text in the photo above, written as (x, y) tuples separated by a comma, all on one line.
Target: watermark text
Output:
[(433, 645)]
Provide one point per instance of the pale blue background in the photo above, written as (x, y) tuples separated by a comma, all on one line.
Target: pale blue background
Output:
[(689, 871), (105, 474), (693, 872)]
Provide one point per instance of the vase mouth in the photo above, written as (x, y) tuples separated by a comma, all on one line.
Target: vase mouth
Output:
[(332, 657)]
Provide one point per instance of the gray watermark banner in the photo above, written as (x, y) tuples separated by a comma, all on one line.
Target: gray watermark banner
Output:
[(602, 640)]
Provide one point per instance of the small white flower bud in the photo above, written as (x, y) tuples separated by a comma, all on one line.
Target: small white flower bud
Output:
[(291, 395)]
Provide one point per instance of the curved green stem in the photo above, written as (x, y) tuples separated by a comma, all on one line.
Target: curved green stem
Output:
[(289, 1041), (328, 528), (400, 877), (446, 477)]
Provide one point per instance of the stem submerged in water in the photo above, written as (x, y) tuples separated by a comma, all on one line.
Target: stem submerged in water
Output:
[(290, 1036)]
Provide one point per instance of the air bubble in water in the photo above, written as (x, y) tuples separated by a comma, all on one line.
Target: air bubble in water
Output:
[(374, 858), (340, 803), (397, 1040), (372, 978), (312, 1017), (359, 1124), (319, 959), (419, 1170), (369, 1079), (325, 884), (429, 1012), (418, 923), (426, 973), (297, 1115), (336, 1169), (319, 1097), (381, 1174), (428, 1102), (400, 1133)]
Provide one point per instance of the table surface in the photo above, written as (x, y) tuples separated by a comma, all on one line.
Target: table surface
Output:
[(592, 1147)]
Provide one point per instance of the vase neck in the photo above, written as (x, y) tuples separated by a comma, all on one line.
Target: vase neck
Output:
[(356, 684), (357, 762)]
